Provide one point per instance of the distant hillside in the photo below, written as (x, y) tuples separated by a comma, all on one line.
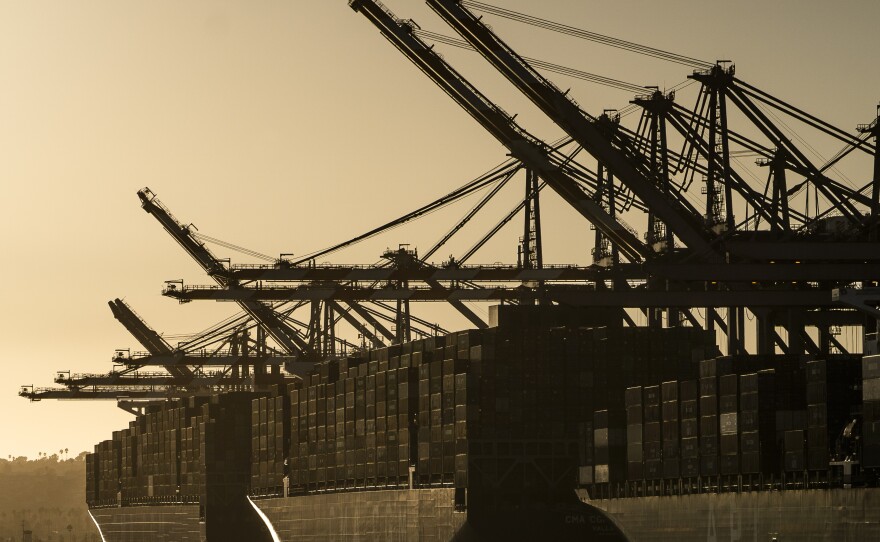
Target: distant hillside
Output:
[(48, 495)]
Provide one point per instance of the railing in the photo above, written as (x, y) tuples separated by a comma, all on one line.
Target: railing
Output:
[(733, 483), (334, 267)]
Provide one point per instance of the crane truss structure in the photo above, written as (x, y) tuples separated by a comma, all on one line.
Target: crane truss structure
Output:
[(740, 249)]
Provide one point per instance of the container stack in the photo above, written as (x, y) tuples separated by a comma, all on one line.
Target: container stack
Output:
[(407, 406), (791, 398), (609, 446), (670, 412), (164, 458), (104, 479), (92, 480), (191, 467), (709, 425), (436, 430), (653, 443), (314, 432), (728, 407), (871, 411), (832, 403), (795, 451), (757, 422), (635, 453), (109, 459), (467, 411), (225, 445), (270, 439), (403, 447), (128, 460), (690, 428)]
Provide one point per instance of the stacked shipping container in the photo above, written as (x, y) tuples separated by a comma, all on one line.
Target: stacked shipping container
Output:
[(670, 412), (515, 412), (871, 411), (832, 402)]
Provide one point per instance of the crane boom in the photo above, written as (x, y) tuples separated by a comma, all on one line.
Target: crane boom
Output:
[(287, 337), (135, 325), (531, 151), (148, 337), (676, 213)]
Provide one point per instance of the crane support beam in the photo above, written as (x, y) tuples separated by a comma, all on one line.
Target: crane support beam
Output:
[(91, 394), (135, 379), (733, 272), (677, 214), (357, 324), (370, 319), (532, 152), (585, 296), (865, 300), (463, 309), (222, 360)]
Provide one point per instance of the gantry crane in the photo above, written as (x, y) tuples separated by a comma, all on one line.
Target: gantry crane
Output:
[(627, 167), (784, 274), (152, 341), (287, 337), (717, 227), (531, 151)]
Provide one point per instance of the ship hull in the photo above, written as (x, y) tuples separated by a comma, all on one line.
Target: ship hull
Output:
[(841, 515), (430, 514), (178, 523), (426, 514)]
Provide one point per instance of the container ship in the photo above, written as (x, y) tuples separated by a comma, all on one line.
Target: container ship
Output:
[(549, 425), (562, 417)]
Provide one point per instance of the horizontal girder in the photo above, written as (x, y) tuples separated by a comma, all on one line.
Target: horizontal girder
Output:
[(586, 296)]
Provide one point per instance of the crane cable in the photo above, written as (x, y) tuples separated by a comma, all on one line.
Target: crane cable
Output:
[(549, 66), (230, 246), (587, 35)]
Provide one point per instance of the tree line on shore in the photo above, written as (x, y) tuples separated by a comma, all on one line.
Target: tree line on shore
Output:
[(45, 496)]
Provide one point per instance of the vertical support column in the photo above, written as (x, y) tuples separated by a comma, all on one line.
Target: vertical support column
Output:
[(725, 164), (795, 330), (874, 129), (764, 332), (536, 220), (261, 350), (402, 320), (780, 188), (599, 241), (712, 165), (234, 351), (244, 350), (315, 334), (531, 254), (526, 243), (872, 325), (329, 349), (732, 332)]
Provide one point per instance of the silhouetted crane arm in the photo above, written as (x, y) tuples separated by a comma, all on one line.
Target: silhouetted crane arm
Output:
[(677, 214), (148, 337), (287, 337), (532, 152)]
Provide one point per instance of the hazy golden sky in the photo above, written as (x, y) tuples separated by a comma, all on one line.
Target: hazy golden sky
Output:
[(284, 126)]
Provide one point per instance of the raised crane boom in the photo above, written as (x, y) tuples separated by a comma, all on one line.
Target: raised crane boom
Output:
[(152, 341), (148, 337), (532, 152), (676, 213), (286, 336)]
